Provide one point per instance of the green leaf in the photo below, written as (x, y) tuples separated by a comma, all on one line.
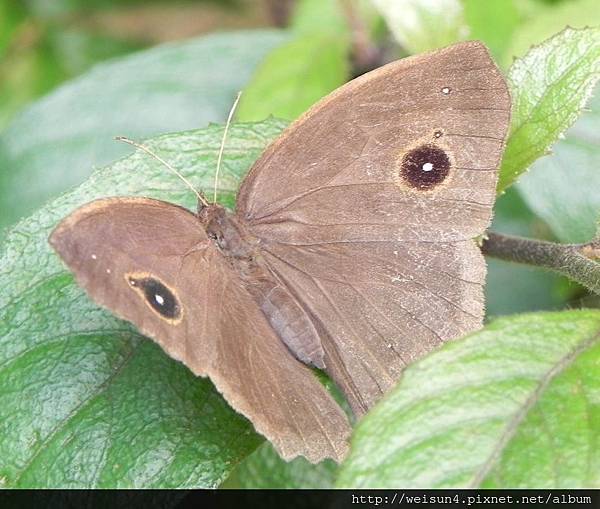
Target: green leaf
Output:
[(264, 469), (550, 86), (55, 143), (512, 406), (492, 22), (539, 21), (312, 16), (301, 71), (422, 26), (84, 400), (563, 189), (294, 76)]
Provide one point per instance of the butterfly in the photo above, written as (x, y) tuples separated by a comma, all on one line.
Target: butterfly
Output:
[(351, 249)]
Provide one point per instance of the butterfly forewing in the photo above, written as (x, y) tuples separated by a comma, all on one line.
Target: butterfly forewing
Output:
[(367, 208), (337, 174)]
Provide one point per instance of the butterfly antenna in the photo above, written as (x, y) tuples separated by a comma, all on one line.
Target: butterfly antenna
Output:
[(160, 159), (231, 112)]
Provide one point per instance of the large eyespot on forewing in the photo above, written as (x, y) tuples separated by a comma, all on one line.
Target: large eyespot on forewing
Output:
[(424, 167), (159, 297)]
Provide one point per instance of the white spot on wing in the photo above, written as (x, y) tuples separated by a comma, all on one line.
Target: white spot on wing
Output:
[(108, 271), (427, 167), (94, 257), (446, 90), (159, 298)]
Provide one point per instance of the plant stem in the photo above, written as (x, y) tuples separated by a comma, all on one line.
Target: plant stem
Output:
[(366, 55), (280, 11), (575, 261)]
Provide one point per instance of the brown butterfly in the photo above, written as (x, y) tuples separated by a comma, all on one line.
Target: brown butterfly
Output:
[(351, 249)]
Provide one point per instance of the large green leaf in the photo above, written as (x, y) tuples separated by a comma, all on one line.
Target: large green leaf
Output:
[(312, 16), (420, 26), (55, 142), (513, 406), (294, 76), (550, 85), (84, 400), (302, 70), (563, 189)]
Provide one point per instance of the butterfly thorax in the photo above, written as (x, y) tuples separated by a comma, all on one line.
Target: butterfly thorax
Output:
[(232, 239), (243, 252)]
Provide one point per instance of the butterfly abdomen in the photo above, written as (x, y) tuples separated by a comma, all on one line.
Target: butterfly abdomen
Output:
[(289, 320)]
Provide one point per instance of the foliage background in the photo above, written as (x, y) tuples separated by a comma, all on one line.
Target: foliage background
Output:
[(88, 402)]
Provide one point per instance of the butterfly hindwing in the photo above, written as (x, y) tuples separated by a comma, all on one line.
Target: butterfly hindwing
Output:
[(151, 263), (381, 305)]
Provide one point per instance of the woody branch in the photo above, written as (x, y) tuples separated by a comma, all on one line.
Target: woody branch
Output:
[(579, 262)]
